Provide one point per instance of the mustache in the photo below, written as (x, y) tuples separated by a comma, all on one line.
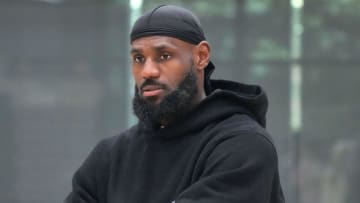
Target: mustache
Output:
[(153, 82)]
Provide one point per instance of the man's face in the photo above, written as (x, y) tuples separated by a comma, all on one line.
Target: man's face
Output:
[(160, 63), (166, 79)]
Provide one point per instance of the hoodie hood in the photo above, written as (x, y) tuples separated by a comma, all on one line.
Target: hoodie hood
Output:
[(251, 98), (224, 99)]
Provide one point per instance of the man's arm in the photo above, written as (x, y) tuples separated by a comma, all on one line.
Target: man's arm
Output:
[(241, 169), (89, 179)]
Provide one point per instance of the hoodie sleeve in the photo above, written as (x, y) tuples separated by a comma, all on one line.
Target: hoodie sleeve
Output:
[(89, 180), (240, 169)]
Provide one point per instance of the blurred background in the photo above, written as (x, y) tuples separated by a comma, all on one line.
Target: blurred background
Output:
[(65, 83)]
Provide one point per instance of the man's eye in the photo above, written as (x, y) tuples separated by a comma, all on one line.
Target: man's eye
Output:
[(139, 59), (165, 57)]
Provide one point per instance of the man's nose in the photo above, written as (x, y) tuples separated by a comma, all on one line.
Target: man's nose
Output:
[(150, 69)]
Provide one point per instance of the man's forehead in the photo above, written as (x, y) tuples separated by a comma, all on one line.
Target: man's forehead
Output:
[(158, 42)]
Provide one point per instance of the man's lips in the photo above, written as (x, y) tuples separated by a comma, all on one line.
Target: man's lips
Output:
[(151, 90)]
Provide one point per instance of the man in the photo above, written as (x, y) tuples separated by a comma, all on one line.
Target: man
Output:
[(197, 140)]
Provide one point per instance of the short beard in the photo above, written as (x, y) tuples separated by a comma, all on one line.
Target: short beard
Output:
[(173, 106)]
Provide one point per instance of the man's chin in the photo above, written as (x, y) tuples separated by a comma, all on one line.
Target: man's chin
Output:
[(155, 100)]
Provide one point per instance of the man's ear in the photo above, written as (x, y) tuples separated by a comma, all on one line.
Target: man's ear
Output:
[(203, 55)]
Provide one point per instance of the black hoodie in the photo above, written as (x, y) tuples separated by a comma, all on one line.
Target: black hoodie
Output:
[(219, 153)]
